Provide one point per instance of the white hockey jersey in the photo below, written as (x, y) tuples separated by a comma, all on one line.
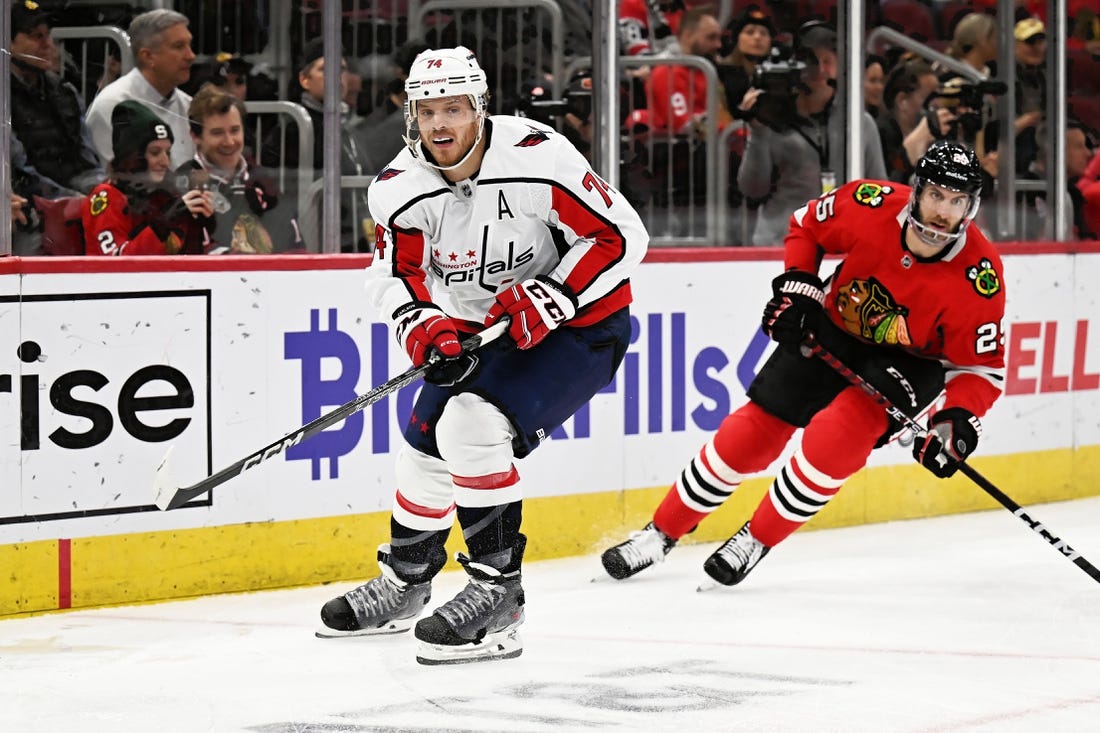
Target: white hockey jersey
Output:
[(534, 208)]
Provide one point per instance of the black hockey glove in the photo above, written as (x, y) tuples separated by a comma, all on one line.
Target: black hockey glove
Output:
[(259, 200), (952, 436), (448, 372), (795, 307)]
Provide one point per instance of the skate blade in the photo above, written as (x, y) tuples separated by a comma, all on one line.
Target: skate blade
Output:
[(709, 584), (505, 645), (394, 627)]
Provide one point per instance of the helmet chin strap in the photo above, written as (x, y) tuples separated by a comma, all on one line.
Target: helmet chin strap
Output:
[(414, 146), (930, 236)]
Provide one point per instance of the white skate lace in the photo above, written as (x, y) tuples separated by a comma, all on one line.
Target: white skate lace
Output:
[(741, 551), (475, 600), (643, 548)]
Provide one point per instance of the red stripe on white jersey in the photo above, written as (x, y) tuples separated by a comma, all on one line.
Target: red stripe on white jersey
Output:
[(609, 248), (501, 480), (409, 256), (422, 511)]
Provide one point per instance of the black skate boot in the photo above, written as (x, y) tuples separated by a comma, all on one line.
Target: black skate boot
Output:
[(382, 605), (736, 558), (480, 622), (643, 548)]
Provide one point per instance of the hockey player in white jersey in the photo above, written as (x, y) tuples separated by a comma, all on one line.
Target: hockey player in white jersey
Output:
[(483, 218)]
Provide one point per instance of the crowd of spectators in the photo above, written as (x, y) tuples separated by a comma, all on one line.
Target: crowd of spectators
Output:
[(776, 69)]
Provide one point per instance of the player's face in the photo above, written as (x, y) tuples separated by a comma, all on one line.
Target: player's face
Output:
[(158, 157), (448, 127), (222, 139), (941, 208)]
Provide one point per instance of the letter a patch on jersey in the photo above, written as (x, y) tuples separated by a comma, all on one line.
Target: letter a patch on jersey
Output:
[(536, 137)]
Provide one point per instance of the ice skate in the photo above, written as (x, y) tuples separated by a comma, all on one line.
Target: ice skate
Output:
[(479, 623), (382, 605), (736, 558), (644, 547)]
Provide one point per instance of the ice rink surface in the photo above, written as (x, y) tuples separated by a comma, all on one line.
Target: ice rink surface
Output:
[(964, 624)]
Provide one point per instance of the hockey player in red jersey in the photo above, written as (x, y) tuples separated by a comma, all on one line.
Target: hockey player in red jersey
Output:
[(915, 307), (480, 219)]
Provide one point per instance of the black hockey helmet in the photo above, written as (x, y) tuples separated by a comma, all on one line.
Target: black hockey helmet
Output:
[(952, 165)]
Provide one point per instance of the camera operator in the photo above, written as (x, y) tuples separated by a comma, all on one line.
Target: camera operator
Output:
[(574, 109), (908, 87), (749, 37), (954, 112), (796, 135)]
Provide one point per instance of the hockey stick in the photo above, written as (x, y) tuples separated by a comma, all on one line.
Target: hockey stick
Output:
[(171, 496), (810, 347)]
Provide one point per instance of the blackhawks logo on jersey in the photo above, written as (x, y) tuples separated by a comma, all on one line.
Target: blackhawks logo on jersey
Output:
[(869, 311), (871, 194), (985, 279), (98, 203)]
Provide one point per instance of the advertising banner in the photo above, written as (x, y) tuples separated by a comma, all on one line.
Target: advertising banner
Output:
[(102, 372)]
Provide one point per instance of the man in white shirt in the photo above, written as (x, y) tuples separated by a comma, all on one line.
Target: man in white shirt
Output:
[(162, 55)]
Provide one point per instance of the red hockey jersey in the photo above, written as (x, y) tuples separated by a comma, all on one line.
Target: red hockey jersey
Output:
[(949, 307), (118, 224)]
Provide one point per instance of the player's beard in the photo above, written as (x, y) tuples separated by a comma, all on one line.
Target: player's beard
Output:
[(456, 150)]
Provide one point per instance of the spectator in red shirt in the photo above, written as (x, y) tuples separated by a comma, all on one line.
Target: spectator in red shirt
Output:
[(1088, 183), (677, 95)]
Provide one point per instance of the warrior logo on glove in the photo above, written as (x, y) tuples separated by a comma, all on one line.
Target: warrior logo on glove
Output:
[(795, 307)]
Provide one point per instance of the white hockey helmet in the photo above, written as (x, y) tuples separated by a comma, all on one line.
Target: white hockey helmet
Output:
[(442, 73)]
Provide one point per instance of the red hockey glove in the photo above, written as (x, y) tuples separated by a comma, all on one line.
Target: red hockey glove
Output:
[(536, 307), (425, 329), (795, 307), (952, 436)]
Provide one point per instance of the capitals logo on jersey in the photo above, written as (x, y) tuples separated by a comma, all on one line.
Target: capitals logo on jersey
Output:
[(388, 173), (536, 137), (868, 310)]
